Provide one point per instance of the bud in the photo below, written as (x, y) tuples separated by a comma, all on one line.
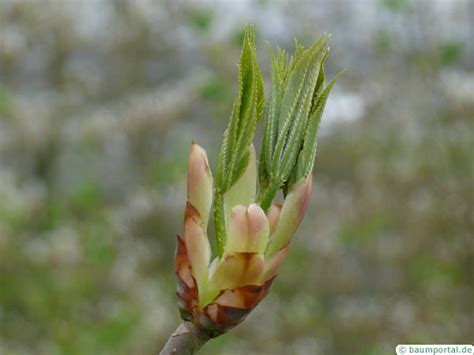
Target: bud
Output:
[(219, 295), (199, 182), (253, 234), (291, 214)]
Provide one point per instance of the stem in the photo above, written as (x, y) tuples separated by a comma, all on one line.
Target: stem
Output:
[(219, 222), (187, 339)]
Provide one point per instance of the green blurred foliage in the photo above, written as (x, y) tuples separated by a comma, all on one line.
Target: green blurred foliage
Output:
[(5, 103), (397, 5), (450, 52), (201, 19)]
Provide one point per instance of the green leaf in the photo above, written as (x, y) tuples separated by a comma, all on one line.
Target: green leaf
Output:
[(296, 104), (293, 116), (247, 111), (308, 152), (312, 127), (273, 112), (321, 81)]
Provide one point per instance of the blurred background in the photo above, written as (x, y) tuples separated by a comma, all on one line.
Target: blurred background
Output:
[(99, 103)]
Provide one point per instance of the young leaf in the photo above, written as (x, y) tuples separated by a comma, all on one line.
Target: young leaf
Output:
[(298, 99), (308, 152), (273, 111), (247, 111)]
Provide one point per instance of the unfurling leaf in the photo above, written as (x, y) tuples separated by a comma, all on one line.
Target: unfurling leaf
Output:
[(247, 110), (253, 234)]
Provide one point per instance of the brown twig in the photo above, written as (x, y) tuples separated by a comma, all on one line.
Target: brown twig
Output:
[(187, 339)]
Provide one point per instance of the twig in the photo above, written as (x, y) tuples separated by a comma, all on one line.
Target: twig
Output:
[(187, 339)]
